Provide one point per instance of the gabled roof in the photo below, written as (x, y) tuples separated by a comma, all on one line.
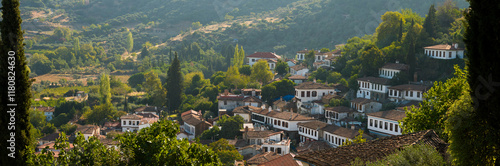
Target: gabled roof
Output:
[(340, 109), (391, 115), (148, 115), (422, 88), (442, 47), (313, 124), (131, 116), (252, 99), (313, 85), (245, 109), (396, 66), (372, 150), (297, 77), (261, 134), (341, 131), (291, 60), (194, 119), (87, 129), (45, 109), (264, 55), (263, 157), (190, 112), (376, 80), (311, 146), (286, 160), (289, 116), (298, 67), (362, 101)]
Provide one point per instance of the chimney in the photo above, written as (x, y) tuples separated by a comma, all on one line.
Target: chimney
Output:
[(397, 61), (226, 92), (353, 127), (270, 109), (314, 80), (456, 45)]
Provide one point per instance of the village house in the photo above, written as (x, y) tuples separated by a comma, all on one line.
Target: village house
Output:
[(249, 151), (298, 79), (136, 122), (372, 150), (262, 158), (253, 58), (251, 92), (245, 112), (252, 101), (283, 160), (291, 62), (444, 51), (260, 137), (363, 105), (88, 131), (283, 121), (50, 147), (336, 53), (301, 55), (337, 136), (229, 101), (47, 111), (272, 64), (373, 88), (48, 138), (310, 91), (311, 131), (385, 123), (280, 147), (193, 123), (335, 115), (389, 70), (299, 70), (407, 92)]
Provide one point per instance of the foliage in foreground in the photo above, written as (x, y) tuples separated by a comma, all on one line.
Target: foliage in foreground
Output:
[(413, 155)]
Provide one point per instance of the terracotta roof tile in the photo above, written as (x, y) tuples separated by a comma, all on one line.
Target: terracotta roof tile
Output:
[(372, 150), (146, 109), (131, 116), (245, 109), (263, 158), (391, 114), (313, 124), (362, 101), (298, 67), (252, 99), (297, 77), (45, 109), (261, 134), (442, 47), (396, 66), (286, 160), (283, 115), (340, 109), (231, 97), (341, 131), (311, 146), (194, 119), (264, 55)]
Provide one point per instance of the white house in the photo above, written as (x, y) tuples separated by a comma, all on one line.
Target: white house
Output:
[(373, 88), (301, 55), (136, 122), (193, 123), (229, 101), (298, 79), (245, 112), (291, 62), (284, 121), (47, 111), (253, 58), (299, 70), (310, 91), (261, 137), (272, 64), (385, 123), (335, 114), (363, 105), (311, 131), (89, 131), (280, 147), (444, 51), (252, 101), (407, 92), (389, 70), (336, 136)]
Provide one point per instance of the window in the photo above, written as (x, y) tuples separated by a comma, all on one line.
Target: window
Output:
[(395, 128), (385, 126), (272, 149), (129, 122), (302, 94), (314, 93), (279, 123), (275, 122), (380, 123), (390, 92), (124, 122), (411, 94), (449, 54), (418, 94), (376, 123), (308, 93), (265, 149), (371, 122), (390, 128), (278, 150), (336, 141), (225, 102), (406, 93), (253, 60)]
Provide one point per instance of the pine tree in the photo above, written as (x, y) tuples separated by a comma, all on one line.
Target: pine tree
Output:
[(174, 85), (430, 22), (12, 46)]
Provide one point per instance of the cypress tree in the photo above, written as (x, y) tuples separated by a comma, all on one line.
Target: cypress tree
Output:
[(13, 60), (482, 44), (400, 34), (174, 85), (430, 22)]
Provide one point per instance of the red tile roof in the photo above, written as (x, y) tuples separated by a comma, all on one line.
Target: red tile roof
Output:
[(297, 77), (289, 116), (343, 132), (372, 150), (286, 160), (313, 85), (231, 97), (245, 109), (443, 47), (298, 67), (312, 146), (391, 115), (264, 55), (252, 99), (261, 134), (45, 109), (313, 124), (263, 158)]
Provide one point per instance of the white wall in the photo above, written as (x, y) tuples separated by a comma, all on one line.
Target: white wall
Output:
[(285, 149), (387, 73), (413, 95), (231, 104), (245, 116), (319, 94), (378, 128), (132, 125), (301, 56), (309, 133), (333, 139), (454, 54)]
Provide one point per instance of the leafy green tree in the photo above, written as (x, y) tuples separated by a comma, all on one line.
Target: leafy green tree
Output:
[(338, 102), (430, 23), (230, 126), (153, 88), (104, 89), (68, 128), (211, 134), (320, 74), (371, 60), (400, 78), (260, 72), (233, 78), (281, 67), (334, 77), (432, 112), (227, 153), (37, 118), (446, 14), (387, 31), (309, 58), (174, 85), (246, 70), (277, 89), (159, 140), (353, 83), (239, 56), (12, 46), (410, 42), (325, 50), (136, 80)]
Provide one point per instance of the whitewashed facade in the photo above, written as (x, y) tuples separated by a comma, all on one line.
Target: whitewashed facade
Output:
[(444, 51)]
